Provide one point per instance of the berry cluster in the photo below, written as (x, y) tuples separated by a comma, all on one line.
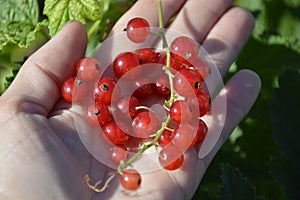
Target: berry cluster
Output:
[(175, 79)]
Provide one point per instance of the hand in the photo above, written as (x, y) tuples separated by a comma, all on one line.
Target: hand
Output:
[(41, 155)]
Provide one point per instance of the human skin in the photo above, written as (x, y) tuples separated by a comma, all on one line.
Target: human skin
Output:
[(41, 155)]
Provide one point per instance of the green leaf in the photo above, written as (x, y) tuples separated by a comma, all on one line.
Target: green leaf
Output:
[(285, 129), (19, 22), (203, 194), (61, 11), (9, 79), (236, 186), (277, 22)]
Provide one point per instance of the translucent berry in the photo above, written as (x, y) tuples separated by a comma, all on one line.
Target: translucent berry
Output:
[(187, 81), (166, 138), (117, 154), (131, 179), (148, 55), (184, 135), (125, 62), (74, 90), (146, 124), (143, 88), (185, 47), (162, 86), (181, 111), (116, 135), (97, 114), (201, 131), (104, 90), (126, 107), (138, 30), (171, 158), (88, 69)]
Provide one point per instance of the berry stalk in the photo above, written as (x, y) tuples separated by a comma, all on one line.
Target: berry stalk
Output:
[(167, 104)]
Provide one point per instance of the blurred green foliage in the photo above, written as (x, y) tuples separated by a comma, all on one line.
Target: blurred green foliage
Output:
[(266, 152)]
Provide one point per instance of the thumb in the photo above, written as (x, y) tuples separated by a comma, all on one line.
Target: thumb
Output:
[(40, 78)]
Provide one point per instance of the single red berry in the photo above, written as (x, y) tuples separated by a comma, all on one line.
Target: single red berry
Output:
[(143, 88), (124, 63), (194, 142), (202, 66), (202, 101), (201, 131), (88, 69), (104, 90), (145, 124), (117, 154), (97, 114), (74, 90), (126, 107), (134, 144), (184, 135), (131, 179), (187, 81), (166, 138), (116, 135), (181, 111), (176, 62), (171, 158), (148, 55), (162, 86), (185, 47), (138, 30)]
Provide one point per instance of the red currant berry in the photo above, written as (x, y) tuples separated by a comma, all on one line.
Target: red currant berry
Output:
[(201, 131), (148, 55), (166, 138), (131, 179), (171, 158), (184, 135), (181, 111), (88, 69), (117, 154), (146, 124), (126, 106), (104, 90), (134, 144), (202, 66), (138, 30), (97, 114), (185, 47), (116, 135), (143, 88), (162, 86), (187, 81), (202, 101), (74, 90), (125, 62), (176, 62)]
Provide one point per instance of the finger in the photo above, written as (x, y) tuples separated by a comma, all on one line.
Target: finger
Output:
[(40, 78), (197, 17), (148, 9), (227, 38), (241, 92)]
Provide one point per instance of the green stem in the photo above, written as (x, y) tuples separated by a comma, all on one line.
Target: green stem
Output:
[(93, 28), (173, 97), (160, 14), (145, 146)]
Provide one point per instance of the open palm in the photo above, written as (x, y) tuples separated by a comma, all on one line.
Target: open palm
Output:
[(41, 154)]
